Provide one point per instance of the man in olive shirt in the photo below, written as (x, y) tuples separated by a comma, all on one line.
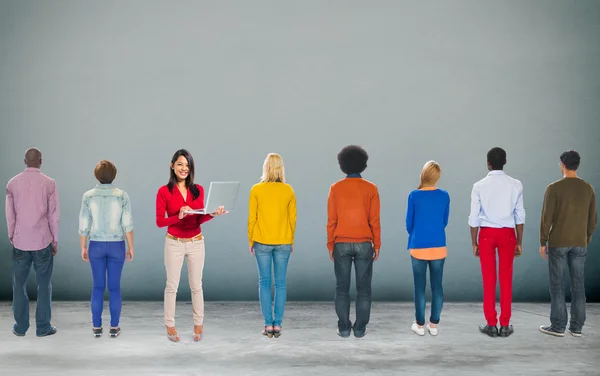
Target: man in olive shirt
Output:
[(569, 218)]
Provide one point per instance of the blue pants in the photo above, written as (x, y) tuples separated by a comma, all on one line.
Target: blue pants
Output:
[(436, 272), (361, 255), (278, 256), (559, 259), (106, 258), (43, 262)]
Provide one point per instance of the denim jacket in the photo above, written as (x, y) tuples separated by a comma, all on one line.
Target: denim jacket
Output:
[(105, 214)]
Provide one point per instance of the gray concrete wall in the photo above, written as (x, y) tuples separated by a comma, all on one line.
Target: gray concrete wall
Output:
[(132, 81)]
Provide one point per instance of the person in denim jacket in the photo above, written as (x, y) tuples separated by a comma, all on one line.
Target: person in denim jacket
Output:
[(105, 220)]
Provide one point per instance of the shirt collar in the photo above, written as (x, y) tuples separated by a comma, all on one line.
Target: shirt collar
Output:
[(32, 169), (100, 185), (496, 172), (353, 175)]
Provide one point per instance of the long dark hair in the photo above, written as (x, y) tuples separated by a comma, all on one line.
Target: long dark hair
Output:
[(189, 181)]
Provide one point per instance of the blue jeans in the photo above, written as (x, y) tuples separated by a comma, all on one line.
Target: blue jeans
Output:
[(106, 258), (43, 262), (278, 256), (436, 272), (558, 260), (361, 255)]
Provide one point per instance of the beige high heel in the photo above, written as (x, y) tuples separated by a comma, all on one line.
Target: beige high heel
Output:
[(198, 336), (172, 337)]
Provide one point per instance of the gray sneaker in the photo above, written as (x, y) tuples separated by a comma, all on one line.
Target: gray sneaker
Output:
[(551, 331), (343, 334)]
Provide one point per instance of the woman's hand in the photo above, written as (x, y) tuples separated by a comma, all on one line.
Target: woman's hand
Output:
[(182, 210), (252, 250), (84, 255), (220, 211), (129, 254)]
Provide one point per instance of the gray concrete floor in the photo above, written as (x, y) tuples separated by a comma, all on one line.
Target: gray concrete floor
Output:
[(308, 346)]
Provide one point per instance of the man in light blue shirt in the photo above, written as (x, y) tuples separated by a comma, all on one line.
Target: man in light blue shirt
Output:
[(496, 211)]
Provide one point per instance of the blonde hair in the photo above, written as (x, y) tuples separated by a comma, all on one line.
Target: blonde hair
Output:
[(273, 169), (430, 174)]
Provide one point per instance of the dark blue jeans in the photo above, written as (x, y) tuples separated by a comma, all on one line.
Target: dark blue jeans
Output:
[(276, 256), (43, 262), (106, 259), (436, 272), (361, 255), (558, 260)]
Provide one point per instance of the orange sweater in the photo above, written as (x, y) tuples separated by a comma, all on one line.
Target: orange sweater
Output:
[(353, 213)]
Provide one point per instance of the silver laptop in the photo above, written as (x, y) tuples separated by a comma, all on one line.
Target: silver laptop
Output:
[(220, 193)]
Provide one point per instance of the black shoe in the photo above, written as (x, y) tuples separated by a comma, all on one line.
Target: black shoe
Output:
[(575, 333), (359, 333), (18, 334), (551, 331), (343, 333), (97, 332), (52, 331), (114, 332), (491, 331), (505, 331)]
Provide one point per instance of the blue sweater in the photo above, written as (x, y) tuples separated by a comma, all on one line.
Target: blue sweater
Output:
[(427, 215)]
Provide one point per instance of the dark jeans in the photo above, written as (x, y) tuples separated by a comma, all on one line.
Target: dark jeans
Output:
[(106, 259), (43, 262), (436, 272), (344, 255), (574, 259)]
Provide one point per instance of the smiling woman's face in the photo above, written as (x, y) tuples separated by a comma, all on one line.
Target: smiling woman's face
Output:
[(181, 168)]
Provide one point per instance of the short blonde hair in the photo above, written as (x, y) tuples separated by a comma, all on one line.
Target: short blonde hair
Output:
[(273, 169), (430, 174)]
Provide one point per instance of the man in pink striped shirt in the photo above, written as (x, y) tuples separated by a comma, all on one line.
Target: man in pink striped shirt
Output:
[(32, 216)]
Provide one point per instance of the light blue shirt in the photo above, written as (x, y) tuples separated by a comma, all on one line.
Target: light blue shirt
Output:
[(105, 214), (497, 201)]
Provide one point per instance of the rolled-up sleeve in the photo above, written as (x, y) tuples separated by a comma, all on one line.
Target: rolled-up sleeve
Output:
[(474, 216), (520, 207), (85, 219), (126, 216)]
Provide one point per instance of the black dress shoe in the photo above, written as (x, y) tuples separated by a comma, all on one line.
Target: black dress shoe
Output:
[(491, 331), (505, 331)]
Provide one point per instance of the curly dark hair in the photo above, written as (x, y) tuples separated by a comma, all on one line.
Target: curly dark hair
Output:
[(570, 159), (353, 159), (496, 157)]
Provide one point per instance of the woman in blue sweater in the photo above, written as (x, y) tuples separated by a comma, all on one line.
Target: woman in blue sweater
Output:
[(427, 215)]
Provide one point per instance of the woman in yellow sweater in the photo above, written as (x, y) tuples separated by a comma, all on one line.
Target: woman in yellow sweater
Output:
[(271, 227)]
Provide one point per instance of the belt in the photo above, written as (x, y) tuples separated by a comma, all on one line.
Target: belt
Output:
[(185, 240)]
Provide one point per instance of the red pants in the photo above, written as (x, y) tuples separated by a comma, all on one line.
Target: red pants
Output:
[(505, 240)]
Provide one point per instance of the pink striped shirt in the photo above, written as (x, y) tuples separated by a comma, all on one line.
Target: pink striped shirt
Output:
[(32, 211)]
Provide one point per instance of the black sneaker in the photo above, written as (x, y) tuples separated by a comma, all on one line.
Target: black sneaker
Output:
[(359, 333), (575, 333), (551, 331), (114, 332), (505, 331), (97, 332), (344, 333), (491, 331), (50, 332)]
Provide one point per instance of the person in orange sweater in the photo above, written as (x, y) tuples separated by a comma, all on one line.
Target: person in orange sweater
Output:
[(353, 236)]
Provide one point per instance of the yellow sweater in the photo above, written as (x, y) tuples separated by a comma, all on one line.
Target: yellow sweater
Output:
[(272, 214)]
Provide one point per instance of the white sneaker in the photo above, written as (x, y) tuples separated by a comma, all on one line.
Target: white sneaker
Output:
[(418, 329), (432, 331)]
